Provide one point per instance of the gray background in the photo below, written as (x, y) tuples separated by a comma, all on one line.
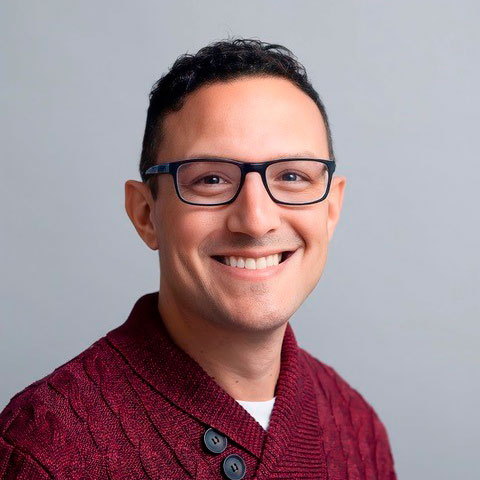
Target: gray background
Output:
[(396, 311)]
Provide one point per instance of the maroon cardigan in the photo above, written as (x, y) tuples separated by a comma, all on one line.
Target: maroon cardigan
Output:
[(135, 406)]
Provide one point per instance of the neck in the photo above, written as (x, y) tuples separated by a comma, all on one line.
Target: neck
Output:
[(246, 364)]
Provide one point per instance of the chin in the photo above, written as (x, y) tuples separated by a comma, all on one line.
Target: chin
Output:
[(259, 320)]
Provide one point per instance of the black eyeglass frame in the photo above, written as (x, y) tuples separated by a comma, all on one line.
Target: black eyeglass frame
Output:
[(245, 167)]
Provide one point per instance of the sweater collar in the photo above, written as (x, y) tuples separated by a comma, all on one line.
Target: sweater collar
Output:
[(146, 345)]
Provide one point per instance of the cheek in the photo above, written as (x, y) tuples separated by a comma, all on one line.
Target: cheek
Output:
[(183, 228), (313, 230), (312, 227)]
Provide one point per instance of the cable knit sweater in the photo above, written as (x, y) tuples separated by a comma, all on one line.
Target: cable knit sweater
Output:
[(135, 406)]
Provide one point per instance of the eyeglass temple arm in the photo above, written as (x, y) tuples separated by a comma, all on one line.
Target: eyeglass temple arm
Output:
[(162, 168)]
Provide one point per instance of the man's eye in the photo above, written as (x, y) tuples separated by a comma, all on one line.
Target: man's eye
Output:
[(291, 177), (211, 180)]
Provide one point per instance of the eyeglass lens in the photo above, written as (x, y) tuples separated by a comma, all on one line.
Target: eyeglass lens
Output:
[(293, 181)]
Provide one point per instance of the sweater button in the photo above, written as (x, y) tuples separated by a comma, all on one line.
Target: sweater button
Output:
[(215, 441), (234, 467)]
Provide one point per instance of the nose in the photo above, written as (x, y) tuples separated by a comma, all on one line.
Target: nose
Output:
[(253, 212)]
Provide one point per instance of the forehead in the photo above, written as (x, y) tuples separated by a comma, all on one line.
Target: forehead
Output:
[(251, 118)]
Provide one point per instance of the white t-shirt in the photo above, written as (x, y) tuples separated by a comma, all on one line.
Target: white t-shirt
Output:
[(260, 411)]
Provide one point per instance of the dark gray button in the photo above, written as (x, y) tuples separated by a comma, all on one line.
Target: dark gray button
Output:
[(234, 467), (215, 441)]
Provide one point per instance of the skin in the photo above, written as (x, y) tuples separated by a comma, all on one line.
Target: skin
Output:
[(232, 326)]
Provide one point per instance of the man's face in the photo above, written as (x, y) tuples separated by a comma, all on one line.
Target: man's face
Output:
[(253, 120)]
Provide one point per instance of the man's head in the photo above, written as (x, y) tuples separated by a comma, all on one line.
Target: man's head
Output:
[(247, 101), (218, 62)]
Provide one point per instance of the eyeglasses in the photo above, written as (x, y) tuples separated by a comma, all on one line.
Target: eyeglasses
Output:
[(288, 181)]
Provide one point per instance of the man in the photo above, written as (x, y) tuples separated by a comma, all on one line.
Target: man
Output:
[(205, 378)]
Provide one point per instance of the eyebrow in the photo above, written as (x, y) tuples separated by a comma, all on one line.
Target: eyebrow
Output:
[(302, 154)]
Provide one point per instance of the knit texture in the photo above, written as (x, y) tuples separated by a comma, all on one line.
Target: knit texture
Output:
[(136, 406)]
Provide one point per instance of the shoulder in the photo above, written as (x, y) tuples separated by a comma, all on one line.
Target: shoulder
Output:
[(48, 419), (344, 411), (15, 464), (334, 387), (54, 391)]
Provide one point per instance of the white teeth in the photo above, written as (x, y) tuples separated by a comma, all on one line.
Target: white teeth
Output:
[(253, 263), (250, 264), (261, 263)]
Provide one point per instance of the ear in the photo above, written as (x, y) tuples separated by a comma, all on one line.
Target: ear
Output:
[(139, 206), (335, 201)]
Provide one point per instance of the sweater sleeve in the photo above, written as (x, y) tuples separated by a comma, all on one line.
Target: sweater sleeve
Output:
[(383, 454), (17, 465)]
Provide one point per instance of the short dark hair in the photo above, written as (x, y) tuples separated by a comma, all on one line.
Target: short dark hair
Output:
[(218, 62)]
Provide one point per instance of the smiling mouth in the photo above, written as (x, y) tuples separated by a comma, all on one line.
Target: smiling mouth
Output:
[(253, 263)]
